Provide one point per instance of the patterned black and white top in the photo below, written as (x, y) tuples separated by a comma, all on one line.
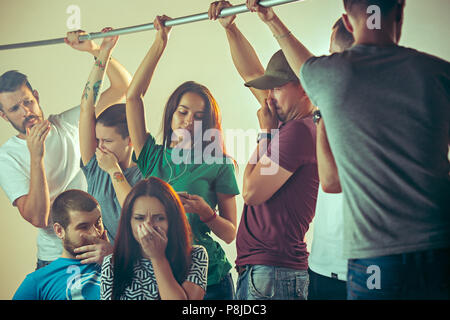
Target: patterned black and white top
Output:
[(143, 285)]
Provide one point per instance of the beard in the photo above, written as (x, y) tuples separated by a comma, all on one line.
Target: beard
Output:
[(70, 245), (22, 128)]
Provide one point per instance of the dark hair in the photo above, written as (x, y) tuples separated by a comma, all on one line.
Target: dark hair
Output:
[(386, 6), (127, 250), (71, 200), (115, 116), (344, 39), (11, 81), (211, 120)]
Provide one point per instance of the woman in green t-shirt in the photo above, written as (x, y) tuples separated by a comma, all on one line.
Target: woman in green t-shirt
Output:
[(203, 180)]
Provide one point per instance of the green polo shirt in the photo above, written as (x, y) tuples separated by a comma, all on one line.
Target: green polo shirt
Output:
[(194, 175)]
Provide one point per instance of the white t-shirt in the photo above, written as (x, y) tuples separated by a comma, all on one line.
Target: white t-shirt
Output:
[(62, 169), (326, 257)]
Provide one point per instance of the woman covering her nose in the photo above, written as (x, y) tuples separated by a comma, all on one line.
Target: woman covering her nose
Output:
[(153, 257)]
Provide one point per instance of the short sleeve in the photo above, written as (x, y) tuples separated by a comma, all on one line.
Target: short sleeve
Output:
[(148, 156), (71, 116), (308, 75), (226, 180), (198, 271), (294, 145), (106, 280), (13, 178), (27, 290), (326, 78), (90, 168)]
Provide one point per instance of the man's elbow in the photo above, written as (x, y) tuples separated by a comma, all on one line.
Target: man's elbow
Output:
[(38, 223), (252, 197), (229, 237), (333, 186)]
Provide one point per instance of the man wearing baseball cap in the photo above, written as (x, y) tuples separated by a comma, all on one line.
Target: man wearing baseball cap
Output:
[(280, 180)]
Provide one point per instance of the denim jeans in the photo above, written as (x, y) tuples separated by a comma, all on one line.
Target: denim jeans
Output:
[(224, 290), (325, 288), (260, 282), (417, 275)]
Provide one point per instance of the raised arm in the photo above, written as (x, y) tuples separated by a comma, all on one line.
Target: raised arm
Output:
[(89, 98), (140, 84), (244, 56), (296, 53), (118, 76)]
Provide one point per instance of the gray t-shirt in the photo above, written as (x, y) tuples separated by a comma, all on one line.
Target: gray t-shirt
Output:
[(101, 188), (387, 114)]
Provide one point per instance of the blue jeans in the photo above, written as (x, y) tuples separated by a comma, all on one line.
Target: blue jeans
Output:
[(260, 282), (224, 290), (325, 288), (416, 275)]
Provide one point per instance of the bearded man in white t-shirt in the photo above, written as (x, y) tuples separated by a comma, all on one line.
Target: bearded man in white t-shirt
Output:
[(43, 159)]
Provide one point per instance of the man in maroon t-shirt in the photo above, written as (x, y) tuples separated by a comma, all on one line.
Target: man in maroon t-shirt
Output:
[(280, 180)]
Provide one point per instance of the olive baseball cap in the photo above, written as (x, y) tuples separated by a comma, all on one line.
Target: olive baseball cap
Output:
[(277, 74)]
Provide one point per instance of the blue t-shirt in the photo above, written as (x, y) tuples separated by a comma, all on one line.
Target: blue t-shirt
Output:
[(63, 279), (101, 188)]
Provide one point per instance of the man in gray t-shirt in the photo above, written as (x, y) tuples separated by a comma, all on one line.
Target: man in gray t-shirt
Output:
[(386, 110), (389, 142)]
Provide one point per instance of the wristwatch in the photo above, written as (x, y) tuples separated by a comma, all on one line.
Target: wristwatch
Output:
[(317, 116), (263, 135)]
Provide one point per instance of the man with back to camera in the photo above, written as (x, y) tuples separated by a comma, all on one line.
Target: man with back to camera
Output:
[(280, 180), (386, 112), (77, 222), (43, 159)]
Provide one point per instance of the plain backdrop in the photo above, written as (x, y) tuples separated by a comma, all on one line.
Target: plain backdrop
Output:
[(196, 51)]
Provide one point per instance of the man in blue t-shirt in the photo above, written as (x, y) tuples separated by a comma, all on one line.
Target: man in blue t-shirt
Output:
[(77, 222)]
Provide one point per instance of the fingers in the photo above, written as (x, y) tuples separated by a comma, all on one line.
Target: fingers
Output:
[(183, 194), (159, 22), (210, 11), (220, 6), (271, 105), (106, 29), (87, 257), (85, 249), (253, 6), (99, 152), (109, 38), (44, 135), (39, 131), (88, 254), (161, 233), (216, 7), (73, 37), (148, 232)]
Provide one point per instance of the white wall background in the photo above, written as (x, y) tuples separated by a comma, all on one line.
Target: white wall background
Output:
[(196, 51)]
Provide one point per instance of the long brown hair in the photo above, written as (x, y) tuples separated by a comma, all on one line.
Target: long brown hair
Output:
[(211, 120), (127, 251)]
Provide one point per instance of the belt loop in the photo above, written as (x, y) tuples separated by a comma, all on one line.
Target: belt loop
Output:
[(241, 269)]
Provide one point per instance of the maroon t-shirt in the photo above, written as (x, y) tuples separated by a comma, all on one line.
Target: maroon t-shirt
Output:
[(273, 233)]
